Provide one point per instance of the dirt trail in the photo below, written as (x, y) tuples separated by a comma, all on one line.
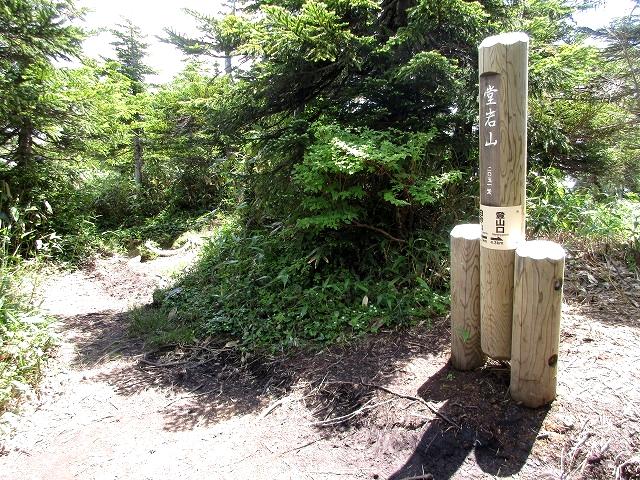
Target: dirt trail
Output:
[(104, 414)]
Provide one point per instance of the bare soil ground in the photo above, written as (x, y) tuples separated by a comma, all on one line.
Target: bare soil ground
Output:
[(385, 406)]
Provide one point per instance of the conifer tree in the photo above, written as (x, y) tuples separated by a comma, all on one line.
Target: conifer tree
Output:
[(622, 38), (33, 33), (221, 35), (130, 52)]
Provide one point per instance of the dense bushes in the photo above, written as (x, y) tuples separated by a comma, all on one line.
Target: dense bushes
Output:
[(276, 287), (556, 205), (358, 177), (352, 136), (25, 335), (38, 204), (341, 143)]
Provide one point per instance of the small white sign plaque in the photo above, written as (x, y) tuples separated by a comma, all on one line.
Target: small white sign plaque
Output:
[(502, 227)]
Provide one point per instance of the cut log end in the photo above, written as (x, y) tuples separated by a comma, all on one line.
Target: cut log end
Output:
[(467, 231), (508, 38), (541, 250)]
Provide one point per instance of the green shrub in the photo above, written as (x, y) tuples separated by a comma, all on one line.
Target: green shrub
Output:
[(117, 202), (25, 335), (358, 175), (160, 327), (37, 204), (273, 288), (555, 207)]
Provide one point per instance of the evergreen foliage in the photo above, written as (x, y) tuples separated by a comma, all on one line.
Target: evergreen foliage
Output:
[(130, 51), (618, 84), (34, 111), (188, 160), (341, 144), (32, 34)]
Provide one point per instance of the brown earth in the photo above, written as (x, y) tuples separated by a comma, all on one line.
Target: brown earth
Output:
[(386, 406)]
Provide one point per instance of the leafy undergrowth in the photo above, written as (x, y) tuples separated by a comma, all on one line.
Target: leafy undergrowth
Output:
[(168, 229), (25, 334), (583, 217), (271, 289), (275, 287)]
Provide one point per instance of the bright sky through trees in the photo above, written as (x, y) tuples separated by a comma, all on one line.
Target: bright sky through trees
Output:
[(153, 16)]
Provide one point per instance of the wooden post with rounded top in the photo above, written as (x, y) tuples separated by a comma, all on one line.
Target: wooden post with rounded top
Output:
[(537, 306), (466, 353), (503, 166)]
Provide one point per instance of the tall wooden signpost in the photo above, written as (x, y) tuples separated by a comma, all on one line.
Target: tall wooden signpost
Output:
[(506, 293), (502, 62)]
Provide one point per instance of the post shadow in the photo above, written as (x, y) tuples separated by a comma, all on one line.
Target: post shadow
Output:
[(494, 428)]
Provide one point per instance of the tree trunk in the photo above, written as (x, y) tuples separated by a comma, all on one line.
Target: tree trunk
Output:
[(24, 153), (227, 63), (227, 54), (137, 159)]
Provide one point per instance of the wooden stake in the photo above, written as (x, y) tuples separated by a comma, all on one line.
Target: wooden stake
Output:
[(537, 306), (503, 152), (466, 353)]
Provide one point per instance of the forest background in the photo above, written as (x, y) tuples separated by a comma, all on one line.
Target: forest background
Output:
[(325, 161)]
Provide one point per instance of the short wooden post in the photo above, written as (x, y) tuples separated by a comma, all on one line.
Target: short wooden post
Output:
[(537, 306), (503, 165), (466, 353)]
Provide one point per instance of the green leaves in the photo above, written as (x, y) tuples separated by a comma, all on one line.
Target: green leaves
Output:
[(224, 36), (25, 335), (456, 19), (422, 191), (274, 291), (347, 172), (316, 33), (36, 31), (555, 207), (130, 50), (32, 34)]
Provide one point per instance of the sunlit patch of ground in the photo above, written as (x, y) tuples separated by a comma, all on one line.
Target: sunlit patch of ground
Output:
[(387, 406)]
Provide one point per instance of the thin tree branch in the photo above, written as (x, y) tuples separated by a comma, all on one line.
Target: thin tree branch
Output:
[(379, 230)]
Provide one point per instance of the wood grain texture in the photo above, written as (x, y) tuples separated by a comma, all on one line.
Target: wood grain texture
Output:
[(505, 55), (466, 352), (489, 129), (496, 302), (537, 308)]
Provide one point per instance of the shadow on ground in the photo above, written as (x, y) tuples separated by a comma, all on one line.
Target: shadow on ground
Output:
[(212, 382), (335, 393), (499, 433)]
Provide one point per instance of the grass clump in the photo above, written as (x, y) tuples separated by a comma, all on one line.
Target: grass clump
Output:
[(25, 334), (273, 289), (557, 208), (160, 327)]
